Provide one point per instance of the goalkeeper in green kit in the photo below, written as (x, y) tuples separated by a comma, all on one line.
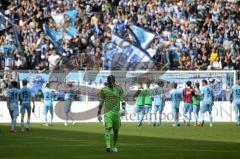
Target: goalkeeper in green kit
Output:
[(110, 98)]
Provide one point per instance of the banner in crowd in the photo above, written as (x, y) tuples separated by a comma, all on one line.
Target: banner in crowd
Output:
[(86, 112), (6, 48), (71, 30), (2, 24), (7, 23), (66, 28), (66, 23), (121, 54), (54, 36), (144, 37)]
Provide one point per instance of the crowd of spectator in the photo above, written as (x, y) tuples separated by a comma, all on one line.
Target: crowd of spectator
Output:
[(191, 34)]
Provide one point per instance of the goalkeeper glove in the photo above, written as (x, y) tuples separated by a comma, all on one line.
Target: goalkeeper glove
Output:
[(99, 118), (123, 112)]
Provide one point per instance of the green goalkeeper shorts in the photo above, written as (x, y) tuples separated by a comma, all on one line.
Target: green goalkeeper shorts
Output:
[(112, 120)]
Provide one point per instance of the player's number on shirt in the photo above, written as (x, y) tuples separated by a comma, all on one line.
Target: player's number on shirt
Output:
[(14, 95), (237, 92), (47, 95), (208, 92), (25, 95)]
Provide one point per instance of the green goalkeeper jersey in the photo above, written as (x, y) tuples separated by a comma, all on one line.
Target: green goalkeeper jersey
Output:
[(196, 100), (140, 97), (110, 98), (148, 98)]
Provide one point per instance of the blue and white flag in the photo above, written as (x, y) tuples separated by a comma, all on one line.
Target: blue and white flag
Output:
[(55, 37), (69, 32), (2, 24), (6, 48), (121, 54), (144, 37), (6, 22), (72, 15)]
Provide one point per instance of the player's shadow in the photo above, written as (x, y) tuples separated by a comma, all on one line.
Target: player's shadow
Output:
[(84, 141)]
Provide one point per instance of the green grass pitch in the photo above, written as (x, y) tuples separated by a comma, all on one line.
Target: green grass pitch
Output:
[(86, 140)]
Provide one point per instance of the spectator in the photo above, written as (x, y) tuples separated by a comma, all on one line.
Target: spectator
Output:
[(215, 65), (53, 60), (213, 55), (9, 62)]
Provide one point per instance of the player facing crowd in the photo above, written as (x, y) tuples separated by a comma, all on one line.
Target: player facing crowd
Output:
[(188, 93), (48, 95), (196, 102), (26, 98), (207, 102), (159, 103), (139, 109), (175, 96), (144, 101), (68, 97), (13, 104), (110, 98)]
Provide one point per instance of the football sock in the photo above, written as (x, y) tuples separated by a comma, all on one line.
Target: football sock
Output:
[(22, 123), (149, 118), (51, 118), (45, 116), (196, 117), (141, 117), (202, 116), (210, 118), (239, 119), (155, 117), (189, 117), (115, 138), (28, 123), (108, 138), (160, 118), (67, 116), (14, 122), (177, 118)]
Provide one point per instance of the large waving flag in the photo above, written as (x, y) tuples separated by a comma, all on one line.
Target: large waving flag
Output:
[(144, 37), (54, 36), (121, 54), (72, 30), (8, 23)]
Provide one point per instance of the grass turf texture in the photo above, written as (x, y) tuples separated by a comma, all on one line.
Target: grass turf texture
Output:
[(86, 140)]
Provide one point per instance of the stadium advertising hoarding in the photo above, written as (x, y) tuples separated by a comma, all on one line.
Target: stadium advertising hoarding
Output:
[(86, 112)]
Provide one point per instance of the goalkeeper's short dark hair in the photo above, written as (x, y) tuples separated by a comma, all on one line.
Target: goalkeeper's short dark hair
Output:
[(110, 78)]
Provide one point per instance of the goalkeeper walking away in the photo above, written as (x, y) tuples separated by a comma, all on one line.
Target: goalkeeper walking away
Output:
[(111, 96)]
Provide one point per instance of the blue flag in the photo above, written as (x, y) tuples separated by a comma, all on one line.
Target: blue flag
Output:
[(55, 37), (73, 30), (121, 54), (144, 37)]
